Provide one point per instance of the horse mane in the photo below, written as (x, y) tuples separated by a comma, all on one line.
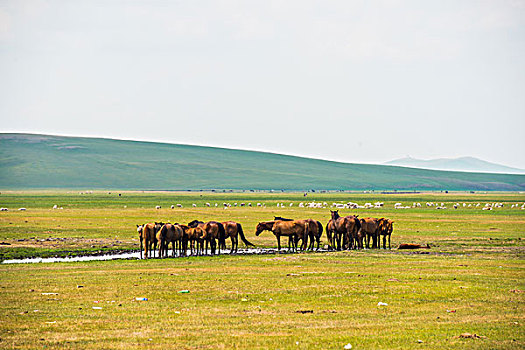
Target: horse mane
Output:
[(281, 218), (194, 223)]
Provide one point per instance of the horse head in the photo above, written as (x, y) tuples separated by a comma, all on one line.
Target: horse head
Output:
[(335, 214), (260, 228)]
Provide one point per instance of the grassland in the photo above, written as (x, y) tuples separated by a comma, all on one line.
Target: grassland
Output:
[(43, 162), (471, 281)]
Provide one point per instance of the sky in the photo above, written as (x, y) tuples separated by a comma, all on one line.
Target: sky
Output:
[(352, 81)]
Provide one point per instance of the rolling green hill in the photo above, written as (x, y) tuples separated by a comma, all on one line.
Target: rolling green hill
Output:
[(30, 161)]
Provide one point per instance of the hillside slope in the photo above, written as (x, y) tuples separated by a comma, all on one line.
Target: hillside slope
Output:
[(41, 161), (456, 164)]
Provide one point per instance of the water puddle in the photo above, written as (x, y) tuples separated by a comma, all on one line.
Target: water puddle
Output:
[(133, 255)]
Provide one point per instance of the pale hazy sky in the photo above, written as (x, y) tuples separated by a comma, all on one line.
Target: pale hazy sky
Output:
[(355, 81)]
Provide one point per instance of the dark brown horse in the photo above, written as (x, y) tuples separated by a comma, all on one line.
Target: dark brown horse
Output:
[(148, 238), (386, 226), (233, 230), (293, 229), (315, 232), (346, 229), (331, 235)]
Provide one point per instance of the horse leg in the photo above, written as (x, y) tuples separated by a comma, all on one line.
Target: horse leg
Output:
[(233, 244), (278, 243), (312, 242), (388, 242)]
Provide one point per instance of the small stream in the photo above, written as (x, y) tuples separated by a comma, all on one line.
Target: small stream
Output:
[(135, 255)]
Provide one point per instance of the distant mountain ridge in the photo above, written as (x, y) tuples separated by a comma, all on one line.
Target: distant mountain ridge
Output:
[(29, 161), (470, 164)]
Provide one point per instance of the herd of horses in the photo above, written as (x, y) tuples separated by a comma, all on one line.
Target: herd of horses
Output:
[(343, 233)]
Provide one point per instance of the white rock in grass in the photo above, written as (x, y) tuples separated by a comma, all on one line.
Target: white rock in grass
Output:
[(348, 346)]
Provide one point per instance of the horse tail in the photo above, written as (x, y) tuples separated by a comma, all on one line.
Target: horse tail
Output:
[(241, 233), (222, 233), (319, 228)]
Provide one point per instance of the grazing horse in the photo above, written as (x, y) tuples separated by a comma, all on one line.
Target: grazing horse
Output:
[(347, 228), (170, 233), (370, 229), (195, 236), (213, 231), (386, 226), (147, 237), (293, 229), (234, 230)]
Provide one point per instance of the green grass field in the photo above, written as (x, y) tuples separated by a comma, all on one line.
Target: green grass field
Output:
[(470, 281)]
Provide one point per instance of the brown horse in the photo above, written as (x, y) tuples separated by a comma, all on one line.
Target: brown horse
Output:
[(315, 232), (170, 233), (386, 226), (355, 238), (348, 229), (234, 230), (185, 239), (213, 231), (195, 237), (370, 230), (295, 230), (148, 238), (331, 235)]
